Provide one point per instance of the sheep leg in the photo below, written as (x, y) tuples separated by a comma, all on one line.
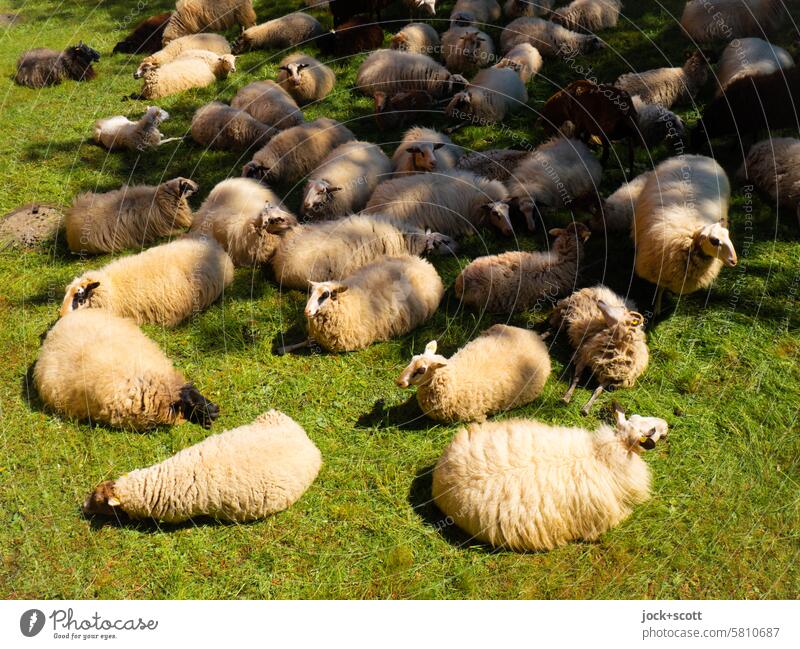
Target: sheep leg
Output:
[(452, 129), (546, 334), (571, 390), (659, 298), (597, 392), (290, 348), (173, 139)]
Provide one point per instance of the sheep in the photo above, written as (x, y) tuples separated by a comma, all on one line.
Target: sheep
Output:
[(207, 42), (465, 49), (425, 149), (547, 37), (680, 226), (162, 285), (185, 72), (476, 11), (616, 211), (657, 124), (95, 365), (494, 164), (668, 86), (218, 126), (608, 336), (524, 59), (351, 37), (750, 57), (304, 78), (42, 67), (705, 21), (516, 281), (241, 214), (419, 38), (393, 71), (279, 34), (193, 16), (588, 15), (381, 300), (344, 10), (397, 110), (241, 475), (503, 368), (269, 104), (773, 166), (295, 152), (519, 8), (427, 7), (489, 97), (524, 485), (560, 173), (455, 203), (118, 132), (146, 36), (332, 250), (344, 180), (128, 217)]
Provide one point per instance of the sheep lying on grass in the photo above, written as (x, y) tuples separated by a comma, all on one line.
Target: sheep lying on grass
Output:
[(193, 16), (219, 126), (43, 67), (748, 57), (657, 124), (118, 132), (243, 474), (547, 37), (476, 11), (269, 104), (95, 365), (304, 78), (524, 59), (193, 69), (773, 166), (494, 164), (465, 49), (588, 15), (503, 368), (518, 8), (524, 485), (668, 86), (402, 107), (206, 42), (356, 35), (419, 38), (722, 20), (145, 37), (393, 71), (616, 211), (490, 96), (425, 149), (279, 34)]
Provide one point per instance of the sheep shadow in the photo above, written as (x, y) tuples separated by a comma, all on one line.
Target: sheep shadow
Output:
[(406, 416), (28, 392), (121, 520)]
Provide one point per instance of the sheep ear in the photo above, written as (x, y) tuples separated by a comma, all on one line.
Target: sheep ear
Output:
[(333, 190), (114, 502), (556, 232), (438, 145), (613, 315), (90, 287), (431, 347), (339, 288), (619, 415)]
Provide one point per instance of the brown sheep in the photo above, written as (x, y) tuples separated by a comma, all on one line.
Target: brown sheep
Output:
[(146, 36)]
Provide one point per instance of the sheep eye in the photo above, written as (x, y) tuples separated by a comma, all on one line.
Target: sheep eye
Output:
[(714, 241), (419, 370)]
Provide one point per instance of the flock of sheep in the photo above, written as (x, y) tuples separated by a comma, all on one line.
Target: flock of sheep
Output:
[(367, 220)]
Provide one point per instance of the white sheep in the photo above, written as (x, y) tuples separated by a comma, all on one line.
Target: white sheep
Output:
[(96, 366), (465, 49), (475, 11), (588, 15), (243, 474), (524, 59), (269, 104), (749, 57), (616, 213), (714, 20), (184, 73), (207, 42), (304, 78), (547, 37), (193, 16), (490, 96), (394, 71), (118, 132), (524, 485), (279, 34), (503, 368), (668, 86), (425, 149), (219, 126), (418, 38), (518, 8), (773, 166)]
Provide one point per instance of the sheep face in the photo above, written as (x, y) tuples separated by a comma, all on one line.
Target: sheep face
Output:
[(144, 67), (318, 195), (620, 320), (323, 297), (496, 212), (459, 104), (422, 366), (255, 171), (84, 54), (194, 407), (226, 64), (102, 500), (294, 72), (423, 157), (473, 47), (714, 241), (566, 238), (439, 244), (156, 115), (182, 187), (638, 432), (79, 294)]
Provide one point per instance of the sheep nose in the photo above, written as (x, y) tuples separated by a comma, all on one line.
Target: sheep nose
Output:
[(401, 382)]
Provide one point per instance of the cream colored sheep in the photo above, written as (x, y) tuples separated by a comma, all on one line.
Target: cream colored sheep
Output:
[(269, 104), (219, 126), (588, 15), (304, 78), (208, 42), (524, 59), (749, 57), (425, 149), (279, 34), (394, 71), (518, 8), (475, 11), (466, 49), (616, 214), (773, 166), (516, 281), (193, 16), (243, 474), (668, 86), (118, 132), (184, 73), (96, 366), (162, 285), (418, 38), (129, 217), (722, 20), (490, 96), (547, 37), (494, 164), (503, 368), (524, 485)]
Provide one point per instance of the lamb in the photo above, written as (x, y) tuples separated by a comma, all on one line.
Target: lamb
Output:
[(773, 166), (518, 8), (668, 86), (608, 336), (146, 36), (241, 214), (503, 368), (657, 124), (393, 71), (305, 79), (402, 107), (705, 21), (425, 149), (295, 152), (588, 15), (96, 366), (680, 226), (747, 57), (162, 285), (185, 72), (351, 37), (243, 474), (269, 104), (516, 281), (419, 38), (344, 180), (475, 11), (454, 203), (527, 486), (279, 34), (489, 97), (218, 126), (118, 132), (206, 42), (129, 217), (524, 59), (547, 37), (465, 49), (494, 164), (193, 16), (42, 67), (616, 211)]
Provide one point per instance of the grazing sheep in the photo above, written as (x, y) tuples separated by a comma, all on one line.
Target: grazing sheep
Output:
[(118, 132), (425, 149), (503, 368), (269, 104), (305, 78), (129, 217), (295, 152), (455, 203), (616, 211), (475, 11), (351, 37), (518, 8), (588, 15), (145, 37), (243, 474), (547, 37), (41, 67), (162, 285), (722, 20), (668, 86), (185, 72), (393, 71), (333, 250), (466, 49), (748, 57), (489, 97), (243, 215), (193, 16), (419, 38), (206, 42), (218, 126), (95, 365), (657, 124), (494, 164), (680, 225), (773, 166), (524, 59), (279, 34), (402, 107), (344, 180), (516, 281), (527, 486)]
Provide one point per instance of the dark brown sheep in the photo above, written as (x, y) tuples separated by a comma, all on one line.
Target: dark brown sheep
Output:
[(397, 110), (42, 67), (344, 10), (146, 36), (356, 35)]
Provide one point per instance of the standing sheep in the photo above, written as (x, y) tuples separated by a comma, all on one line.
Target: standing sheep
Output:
[(547, 37), (425, 149), (243, 474), (747, 57), (193, 16), (722, 20), (269, 104), (524, 59), (519, 8), (668, 86), (588, 15), (773, 166), (305, 79), (206, 42), (503, 368), (524, 485), (219, 126), (42, 67), (95, 365), (466, 49), (129, 217), (418, 38), (394, 71), (118, 132), (279, 34), (186, 72), (489, 97)]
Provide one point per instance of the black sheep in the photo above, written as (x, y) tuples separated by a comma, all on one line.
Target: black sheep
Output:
[(42, 67)]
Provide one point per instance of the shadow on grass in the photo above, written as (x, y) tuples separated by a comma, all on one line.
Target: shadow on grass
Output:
[(406, 415), (151, 526)]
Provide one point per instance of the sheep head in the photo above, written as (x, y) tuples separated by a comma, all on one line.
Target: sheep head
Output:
[(566, 239), (530, 210), (273, 219), (255, 171), (638, 432), (102, 500), (294, 72), (226, 64), (322, 296), (473, 44), (622, 321), (194, 407), (182, 187), (714, 241), (422, 366), (428, 6), (463, 19), (79, 294), (438, 244), (84, 54), (423, 157), (144, 67), (497, 213), (318, 194), (156, 115)]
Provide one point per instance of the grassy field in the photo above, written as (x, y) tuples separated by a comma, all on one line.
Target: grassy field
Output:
[(724, 521)]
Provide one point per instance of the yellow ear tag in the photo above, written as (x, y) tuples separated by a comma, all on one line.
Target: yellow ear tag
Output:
[(643, 439)]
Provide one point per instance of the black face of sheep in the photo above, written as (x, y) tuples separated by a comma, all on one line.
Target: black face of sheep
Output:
[(102, 501), (83, 294), (255, 171), (194, 407), (84, 54)]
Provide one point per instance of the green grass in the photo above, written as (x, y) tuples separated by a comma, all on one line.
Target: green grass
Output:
[(724, 519)]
